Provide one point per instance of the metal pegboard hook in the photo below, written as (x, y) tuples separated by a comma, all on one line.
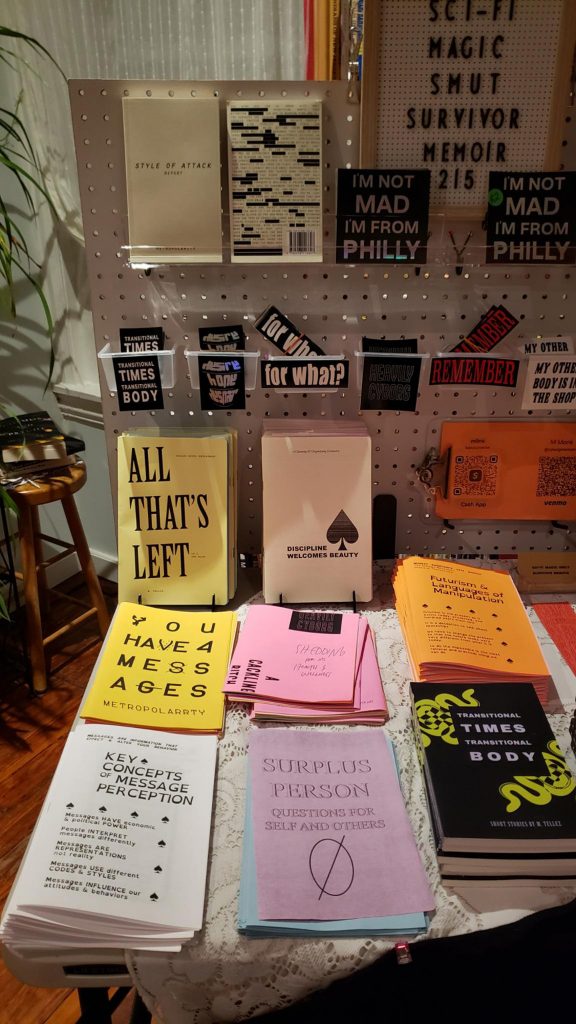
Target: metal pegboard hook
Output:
[(433, 470)]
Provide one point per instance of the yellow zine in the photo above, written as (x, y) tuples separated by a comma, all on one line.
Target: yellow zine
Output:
[(173, 519), (163, 669), (547, 571)]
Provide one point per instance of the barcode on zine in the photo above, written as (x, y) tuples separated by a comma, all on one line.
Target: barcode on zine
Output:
[(301, 241)]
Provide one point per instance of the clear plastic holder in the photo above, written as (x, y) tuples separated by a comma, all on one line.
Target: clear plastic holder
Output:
[(305, 360), (493, 353), (165, 358), (151, 257), (401, 356), (249, 359)]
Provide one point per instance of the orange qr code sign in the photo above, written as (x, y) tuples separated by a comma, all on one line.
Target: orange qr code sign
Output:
[(508, 471), (475, 474)]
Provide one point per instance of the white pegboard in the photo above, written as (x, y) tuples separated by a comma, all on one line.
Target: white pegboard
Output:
[(333, 304)]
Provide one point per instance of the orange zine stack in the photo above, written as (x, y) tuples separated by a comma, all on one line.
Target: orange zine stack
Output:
[(462, 623)]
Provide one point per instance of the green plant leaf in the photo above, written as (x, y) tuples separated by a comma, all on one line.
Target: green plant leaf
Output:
[(40, 294), (30, 41), (20, 173), (15, 128), (19, 157), (8, 501), (4, 613), (4, 54), (6, 224)]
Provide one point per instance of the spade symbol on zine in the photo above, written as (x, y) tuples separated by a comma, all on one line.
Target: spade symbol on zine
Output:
[(342, 529)]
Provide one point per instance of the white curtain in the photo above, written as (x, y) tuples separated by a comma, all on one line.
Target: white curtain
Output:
[(159, 39), (212, 39)]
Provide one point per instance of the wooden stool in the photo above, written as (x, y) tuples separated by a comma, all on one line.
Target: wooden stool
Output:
[(58, 486)]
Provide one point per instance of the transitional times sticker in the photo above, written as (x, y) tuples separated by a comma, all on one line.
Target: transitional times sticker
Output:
[(138, 382)]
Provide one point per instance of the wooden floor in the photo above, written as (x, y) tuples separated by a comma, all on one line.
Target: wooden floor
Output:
[(32, 734)]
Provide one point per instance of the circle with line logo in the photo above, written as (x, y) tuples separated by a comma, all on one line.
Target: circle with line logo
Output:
[(331, 867)]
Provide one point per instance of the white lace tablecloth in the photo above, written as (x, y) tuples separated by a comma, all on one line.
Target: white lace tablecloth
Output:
[(222, 976)]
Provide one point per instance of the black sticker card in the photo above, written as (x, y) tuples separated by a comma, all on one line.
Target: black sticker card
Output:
[(531, 217), (222, 339), (221, 382), (476, 371), (389, 383), (382, 216), (316, 622), (316, 374), (284, 335), (141, 339), (491, 329), (138, 382)]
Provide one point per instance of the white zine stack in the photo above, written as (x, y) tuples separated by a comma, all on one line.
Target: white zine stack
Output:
[(119, 856), (317, 511)]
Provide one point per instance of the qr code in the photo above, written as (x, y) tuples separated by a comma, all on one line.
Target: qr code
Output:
[(475, 475), (556, 476)]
